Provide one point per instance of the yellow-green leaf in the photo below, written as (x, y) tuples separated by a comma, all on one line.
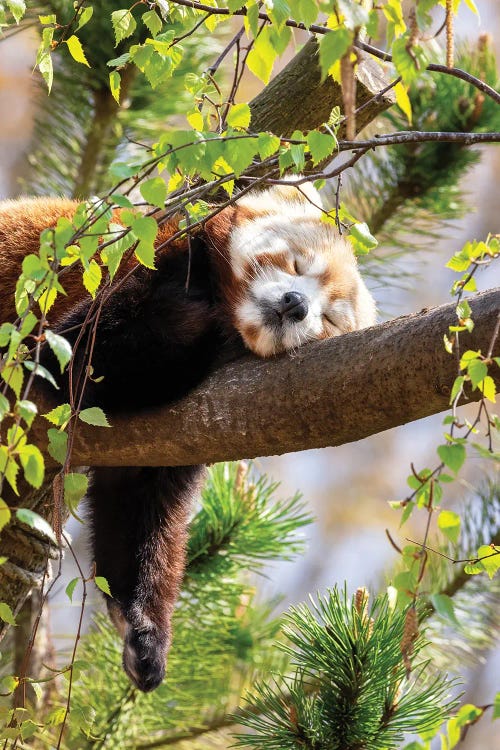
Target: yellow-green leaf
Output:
[(490, 558), (76, 50), (115, 83), (92, 277), (449, 523), (5, 514), (488, 388), (6, 614), (102, 584), (403, 100), (239, 116)]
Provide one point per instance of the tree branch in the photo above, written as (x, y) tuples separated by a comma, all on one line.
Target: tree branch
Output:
[(380, 54), (327, 393), (275, 108)]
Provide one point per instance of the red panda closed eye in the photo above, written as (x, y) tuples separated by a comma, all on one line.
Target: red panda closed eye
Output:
[(267, 269)]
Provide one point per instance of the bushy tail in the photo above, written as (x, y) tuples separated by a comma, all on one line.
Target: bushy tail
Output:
[(139, 525)]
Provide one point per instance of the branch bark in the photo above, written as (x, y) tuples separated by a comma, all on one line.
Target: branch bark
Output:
[(277, 107), (328, 393)]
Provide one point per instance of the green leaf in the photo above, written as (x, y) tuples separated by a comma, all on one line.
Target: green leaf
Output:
[(13, 375), (60, 347), (124, 24), (34, 521), (490, 558), (115, 83), (443, 604), (102, 584), (496, 707), (121, 200), (463, 310), (488, 388), (58, 445), (321, 145), (46, 68), (92, 277), (477, 371), (361, 238), (267, 144), (95, 416), (70, 588), (84, 17), (279, 12), (5, 514), (76, 50), (332, 47), (33, 464), (305, 11), (27, 410), (17, 8), (260, 60), (152, 20), (59, 416), (403, 100), (4, 406), (6, 614), (457, 388), (154, 191), (41, 372), (75, 488), (404, 62), (28, 728), (145, 228), (239, 116), (449, 523), (452, 455)]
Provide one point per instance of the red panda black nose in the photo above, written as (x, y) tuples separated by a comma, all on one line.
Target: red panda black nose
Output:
[(293, 306)]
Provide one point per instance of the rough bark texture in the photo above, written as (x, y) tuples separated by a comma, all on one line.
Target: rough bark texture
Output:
[(27, 550), (297, 98), (328, 393)]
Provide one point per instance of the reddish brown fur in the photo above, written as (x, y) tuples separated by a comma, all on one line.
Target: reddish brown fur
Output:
[(21, 223)]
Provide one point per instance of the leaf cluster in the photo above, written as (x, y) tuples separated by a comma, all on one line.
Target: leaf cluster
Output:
[(415, 188)]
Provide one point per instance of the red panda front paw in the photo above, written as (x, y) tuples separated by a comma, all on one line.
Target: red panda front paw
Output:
[(145, 657)]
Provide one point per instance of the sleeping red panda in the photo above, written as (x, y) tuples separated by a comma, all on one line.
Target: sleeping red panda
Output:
[(266, 271)]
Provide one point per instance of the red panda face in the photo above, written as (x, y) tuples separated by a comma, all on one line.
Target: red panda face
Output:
[(291, 278)]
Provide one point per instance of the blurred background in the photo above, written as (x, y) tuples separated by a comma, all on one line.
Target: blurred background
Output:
[(346, 488)]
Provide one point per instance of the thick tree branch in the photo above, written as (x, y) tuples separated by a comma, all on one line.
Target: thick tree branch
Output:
[(327, 393)]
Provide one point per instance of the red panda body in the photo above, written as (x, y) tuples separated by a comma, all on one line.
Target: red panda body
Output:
[(266, 271)]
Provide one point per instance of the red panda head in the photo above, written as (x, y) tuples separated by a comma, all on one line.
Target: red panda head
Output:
[(286, 276)]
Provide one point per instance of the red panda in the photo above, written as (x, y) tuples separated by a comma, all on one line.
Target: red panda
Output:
[(266, 270)]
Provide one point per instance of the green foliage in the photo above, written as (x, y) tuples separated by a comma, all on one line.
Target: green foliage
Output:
[(415, 188), (233, 639), (238, 528), (350, 686)]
